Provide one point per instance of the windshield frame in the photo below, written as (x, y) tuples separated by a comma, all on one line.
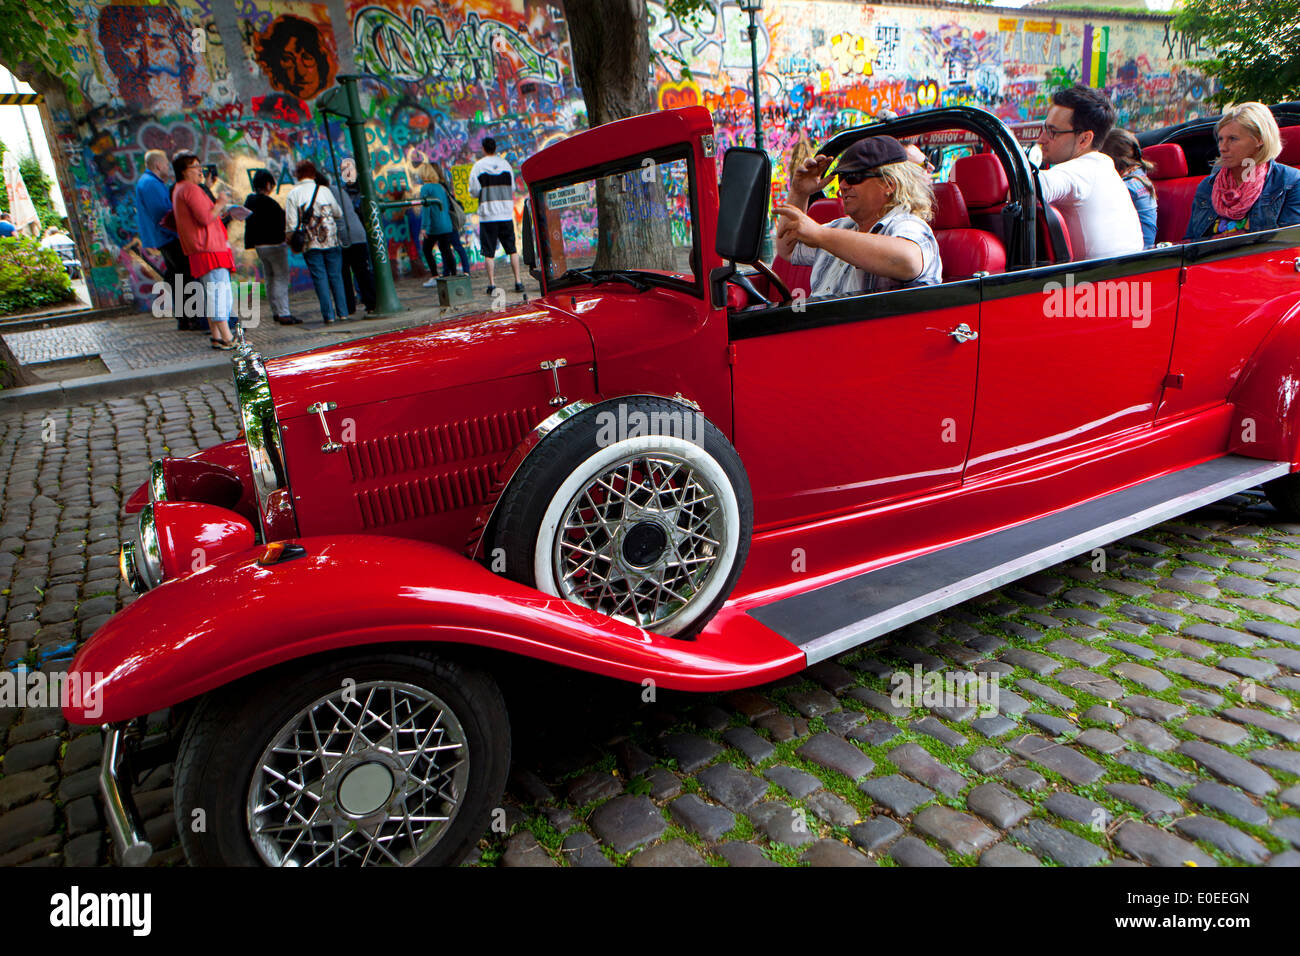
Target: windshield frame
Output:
[(670, 153)]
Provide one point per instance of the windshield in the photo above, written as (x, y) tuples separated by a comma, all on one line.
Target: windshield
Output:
[(638, 218)]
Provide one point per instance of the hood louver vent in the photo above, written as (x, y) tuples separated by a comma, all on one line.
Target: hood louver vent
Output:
[(427, 448), (455, 465)]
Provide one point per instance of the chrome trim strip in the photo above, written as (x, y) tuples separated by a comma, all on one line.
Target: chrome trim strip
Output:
[(133, 848), (253, 391), (149, 565), (157, 481), (850, 636)]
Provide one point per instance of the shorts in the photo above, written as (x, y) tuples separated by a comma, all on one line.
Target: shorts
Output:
[(497, 230)]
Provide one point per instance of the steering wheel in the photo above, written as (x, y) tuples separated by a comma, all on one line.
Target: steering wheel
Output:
[(774, 280)]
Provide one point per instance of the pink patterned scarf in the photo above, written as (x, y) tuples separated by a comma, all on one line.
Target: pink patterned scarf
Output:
[(1232, 199)]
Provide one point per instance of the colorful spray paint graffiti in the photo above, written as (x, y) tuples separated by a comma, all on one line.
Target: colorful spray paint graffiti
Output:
[(235, 82)]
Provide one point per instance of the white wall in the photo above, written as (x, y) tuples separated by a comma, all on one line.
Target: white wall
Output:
[(15, 137)]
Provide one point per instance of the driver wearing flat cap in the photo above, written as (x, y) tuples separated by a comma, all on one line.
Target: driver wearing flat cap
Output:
[(883, 241)]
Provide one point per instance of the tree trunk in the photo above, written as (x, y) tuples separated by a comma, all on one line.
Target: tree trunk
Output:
[(611, 60)]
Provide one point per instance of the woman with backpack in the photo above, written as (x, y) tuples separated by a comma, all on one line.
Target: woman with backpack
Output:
[(457, 220), (312, 216), (435, 222)]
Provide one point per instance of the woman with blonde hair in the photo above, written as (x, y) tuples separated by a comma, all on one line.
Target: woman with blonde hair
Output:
[(1248, 189), (435, 222), (883, 241)]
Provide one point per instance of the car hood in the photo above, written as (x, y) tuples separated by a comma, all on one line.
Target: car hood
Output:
[(475, 348)]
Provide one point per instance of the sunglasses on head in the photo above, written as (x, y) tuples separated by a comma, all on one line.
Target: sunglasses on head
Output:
[(858, 176)]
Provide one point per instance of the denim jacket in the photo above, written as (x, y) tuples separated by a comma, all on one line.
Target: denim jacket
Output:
[(1277, 205)]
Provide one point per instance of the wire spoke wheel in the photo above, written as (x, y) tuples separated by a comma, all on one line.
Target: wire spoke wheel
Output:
[(640, 539), (371, 774)]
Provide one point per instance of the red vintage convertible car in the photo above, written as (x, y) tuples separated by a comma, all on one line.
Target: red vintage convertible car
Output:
[(665, 468)]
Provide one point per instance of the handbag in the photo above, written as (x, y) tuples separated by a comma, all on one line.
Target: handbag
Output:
[(298, 238), (457, 213)]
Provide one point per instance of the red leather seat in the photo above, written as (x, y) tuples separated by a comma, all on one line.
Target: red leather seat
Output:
[(1290, 154), (1174, 190), (800, 277), (983, 184), (1045, 250), (964, 250)]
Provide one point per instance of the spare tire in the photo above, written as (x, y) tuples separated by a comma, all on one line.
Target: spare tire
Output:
[(637, 508)]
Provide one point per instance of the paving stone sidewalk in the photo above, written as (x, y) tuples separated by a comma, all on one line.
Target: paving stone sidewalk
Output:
[(1146, 712)]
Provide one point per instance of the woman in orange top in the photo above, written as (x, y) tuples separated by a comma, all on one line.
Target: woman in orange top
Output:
[(203, 238)]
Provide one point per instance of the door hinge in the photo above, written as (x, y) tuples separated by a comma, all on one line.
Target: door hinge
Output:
[(1182, 275), (731, 353), (1174, 380)]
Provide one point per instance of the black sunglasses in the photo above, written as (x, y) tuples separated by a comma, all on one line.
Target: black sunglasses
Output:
[(852, 179)]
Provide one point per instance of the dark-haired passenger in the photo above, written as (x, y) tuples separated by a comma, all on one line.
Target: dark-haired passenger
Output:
[(1126, 153), (264, 232), (1082, 182)]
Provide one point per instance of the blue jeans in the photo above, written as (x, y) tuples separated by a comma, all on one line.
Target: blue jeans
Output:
[(218, 296), (326, 267), (460, 251)]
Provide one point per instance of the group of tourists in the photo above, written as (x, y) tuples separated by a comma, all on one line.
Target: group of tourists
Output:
[(184, 225), (1096, 178)]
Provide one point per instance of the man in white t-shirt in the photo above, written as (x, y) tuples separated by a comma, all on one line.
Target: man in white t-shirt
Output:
[(1082, 183), (492, 183)]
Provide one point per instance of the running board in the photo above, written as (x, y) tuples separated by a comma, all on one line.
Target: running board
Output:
[(833, 619)]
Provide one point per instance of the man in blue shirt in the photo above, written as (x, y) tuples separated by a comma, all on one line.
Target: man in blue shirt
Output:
[(7, 228), (152, 202)]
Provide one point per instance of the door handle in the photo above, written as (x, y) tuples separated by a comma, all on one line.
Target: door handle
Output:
[(963, 333)]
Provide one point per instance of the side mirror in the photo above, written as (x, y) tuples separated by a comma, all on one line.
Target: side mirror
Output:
[(742, 203), (530, 248)]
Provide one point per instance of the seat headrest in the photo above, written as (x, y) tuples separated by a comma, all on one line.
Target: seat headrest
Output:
[(1168, 159), (981, 179), (1290, 146), (949, 207), (826, 210)]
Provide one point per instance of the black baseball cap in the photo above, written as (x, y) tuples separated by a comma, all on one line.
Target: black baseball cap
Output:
[(871, 152)]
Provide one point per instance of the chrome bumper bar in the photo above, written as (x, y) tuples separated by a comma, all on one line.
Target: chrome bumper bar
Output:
[(133, 849)]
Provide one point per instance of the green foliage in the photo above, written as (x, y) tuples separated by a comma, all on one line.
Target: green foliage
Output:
[(38, 188), (1256, 44), (30, 276), (40, 36)]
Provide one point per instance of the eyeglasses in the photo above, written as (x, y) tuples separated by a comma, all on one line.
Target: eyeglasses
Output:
[(1051, 132), (854, 178)]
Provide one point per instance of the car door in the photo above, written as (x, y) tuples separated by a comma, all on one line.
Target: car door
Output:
[(842, 403), (1071, 353), (1233, 290)]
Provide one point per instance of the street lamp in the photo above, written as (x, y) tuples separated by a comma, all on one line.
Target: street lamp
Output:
[(752, 7)]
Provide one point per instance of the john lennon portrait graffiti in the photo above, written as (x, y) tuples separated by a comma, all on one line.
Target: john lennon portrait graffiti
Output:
[(297, 57), (149, 51)]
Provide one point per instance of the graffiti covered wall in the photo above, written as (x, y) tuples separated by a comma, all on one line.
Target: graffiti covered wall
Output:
[(236, 80)]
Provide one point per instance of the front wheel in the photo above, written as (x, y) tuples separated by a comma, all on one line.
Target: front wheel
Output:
[(393, 758)]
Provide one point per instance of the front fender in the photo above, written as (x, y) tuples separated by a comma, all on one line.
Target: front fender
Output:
[(1266, 395), (236, 617)]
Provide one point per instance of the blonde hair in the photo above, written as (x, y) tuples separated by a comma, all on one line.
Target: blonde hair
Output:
[(912, 188), (428, 173), (1258, 121)]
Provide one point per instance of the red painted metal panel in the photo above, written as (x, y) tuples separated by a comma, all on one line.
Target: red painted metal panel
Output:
[(833, 419), (1069, 364)]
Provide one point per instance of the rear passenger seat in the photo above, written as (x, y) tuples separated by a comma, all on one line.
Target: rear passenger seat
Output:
[(964, 250), (1174, 190)]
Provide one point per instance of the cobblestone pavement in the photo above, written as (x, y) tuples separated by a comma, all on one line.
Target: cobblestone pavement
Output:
[(1145, 712), (139, 341)]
